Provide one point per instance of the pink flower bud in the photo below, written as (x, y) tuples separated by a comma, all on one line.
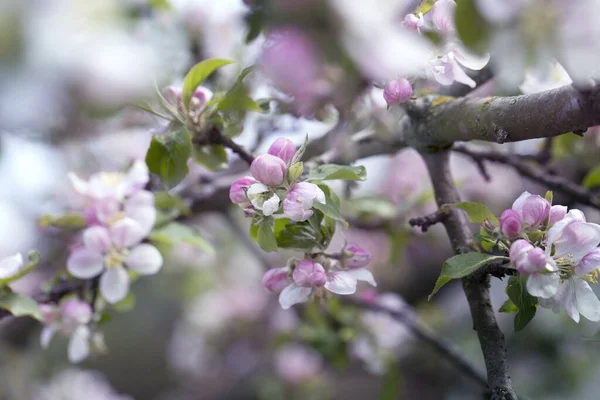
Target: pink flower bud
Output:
[(397, 91), (299, 201), (309, 274), (510, 223), (532, 208), (556, 214), (411, 21), (268, 169), (356, 256), (172, 94), (284, 149), (237, 192), (526, 258), (276, 279)]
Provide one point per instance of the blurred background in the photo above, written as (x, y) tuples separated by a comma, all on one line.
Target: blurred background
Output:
[(205, 328)]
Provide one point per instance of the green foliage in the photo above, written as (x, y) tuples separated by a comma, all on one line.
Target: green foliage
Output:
[(508, 307), (475, 211), (197, 75), (213, 157), (425, 6), (237, 99), (168, 155), (34, 260), (262, 232), (175, 232), (126, 304), (256, 19), (473, 30), (563, 145), (331, 208), (65, 221), (460, 266), (300, 152), (392, 382), (20, 305), (516, 289), (171, 206), (592, 179), (333, 171), (370, 206), (301, 236)]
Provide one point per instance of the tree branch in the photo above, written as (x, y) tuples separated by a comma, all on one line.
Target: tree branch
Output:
[(554, 182), (429, 220), (476, 288)]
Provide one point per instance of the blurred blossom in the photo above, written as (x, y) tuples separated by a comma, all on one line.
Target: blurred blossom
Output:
[(11, 266), (76, 384), (397, 91), (500, 11), (297, 364), (552, 77)]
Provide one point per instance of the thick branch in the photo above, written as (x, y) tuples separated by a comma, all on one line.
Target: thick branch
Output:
[(503, 119), (555, 182), (476, 288)]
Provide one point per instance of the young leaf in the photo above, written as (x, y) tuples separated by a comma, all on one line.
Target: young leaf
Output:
[(300, 152), (20, 305), (197, 75), (508, 307), (332, 171), (175, 232), (65, 221), (34, 260), (300, 236), (237, 98), (168, 155), (460, 266), (213, 158), (471, 27), (516, 289), (475, 211), (331, 207), (265, 235), (126, 304), (592, 179)]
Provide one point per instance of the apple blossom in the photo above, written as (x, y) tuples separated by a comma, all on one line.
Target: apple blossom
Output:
[(284, 149), (557, 213), (237, 192), (268, 169), (414, 22), (11, 266), (309, 274), (355, 256), (532, 209), (106, 252), (262, 199), (276, 279), (71, 319), (397, 91), (510, 223), (297, 364), (345, 281), (299, 201)]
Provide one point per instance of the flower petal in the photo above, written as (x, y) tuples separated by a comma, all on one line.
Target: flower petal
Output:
[(543, 285), (11, 266), (577, 239), (97, 239), (257, 188), (558, 227), (46, 335), (126, 233), (570, 301), (145, 259), (587, 301), (79, 184), (79, 344), (85, 264), (518, 203), (137, 177), (362, 274), (114, 284), (271, 206), (589, 263), (143, 215), (470, 60), (341, 283), (293, 294)]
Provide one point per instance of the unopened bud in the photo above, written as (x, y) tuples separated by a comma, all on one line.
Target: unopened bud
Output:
[(397, 91), (268, 169), (510, 223), (309, 274), (284, 149), (276, 279), (356, 256)]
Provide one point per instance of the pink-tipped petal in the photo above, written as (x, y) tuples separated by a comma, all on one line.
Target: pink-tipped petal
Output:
[(97, 239), (293, 294)]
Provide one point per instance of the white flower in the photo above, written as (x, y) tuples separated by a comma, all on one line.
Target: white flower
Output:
[(107, 252), (11, 266), (262, 199), (449, 68), (345, 282)]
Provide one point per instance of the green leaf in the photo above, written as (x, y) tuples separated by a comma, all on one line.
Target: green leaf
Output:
[(300, 152), (66, 221), (166, 201), (197, 75), (168, 155), (331, 207), (20, 305), (508, 307), (300, 236), (549, 196), (264, 234), (175, 233), (370, 206), (392, 382), (159, 4), (460, 266), (473, 30), (516, 289), (475, 211), (212, 157), (592, 179), (34, 260), (237, 99), (425, 7), (563, 145), (255, 21), (332, 171), (126, 304)]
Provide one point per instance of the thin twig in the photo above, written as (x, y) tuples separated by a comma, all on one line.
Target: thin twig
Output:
[(214, 136), (428, 220)]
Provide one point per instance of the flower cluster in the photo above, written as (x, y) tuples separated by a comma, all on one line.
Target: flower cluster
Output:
[(446, 67), (201, 96), (274, 185), (120, 215), (558, 251), (307, 277)]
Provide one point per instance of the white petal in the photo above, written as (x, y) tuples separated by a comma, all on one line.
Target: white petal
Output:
[(556, 302), (470, 60), (79, 344), (11, 266), (97, 239), (257, 188), (570, 301), (557, 228), (145, 259), (271, 206), (126, 233), (577, 239), (137, 177), (114, 284), (587, 301), (320, 197), (461, 76), (85, 264), (362, 274), (443, 73), (79, 184), (341, 283), (293, 294), (46, 335), (543, 285), (518, 203), (143, 215)]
